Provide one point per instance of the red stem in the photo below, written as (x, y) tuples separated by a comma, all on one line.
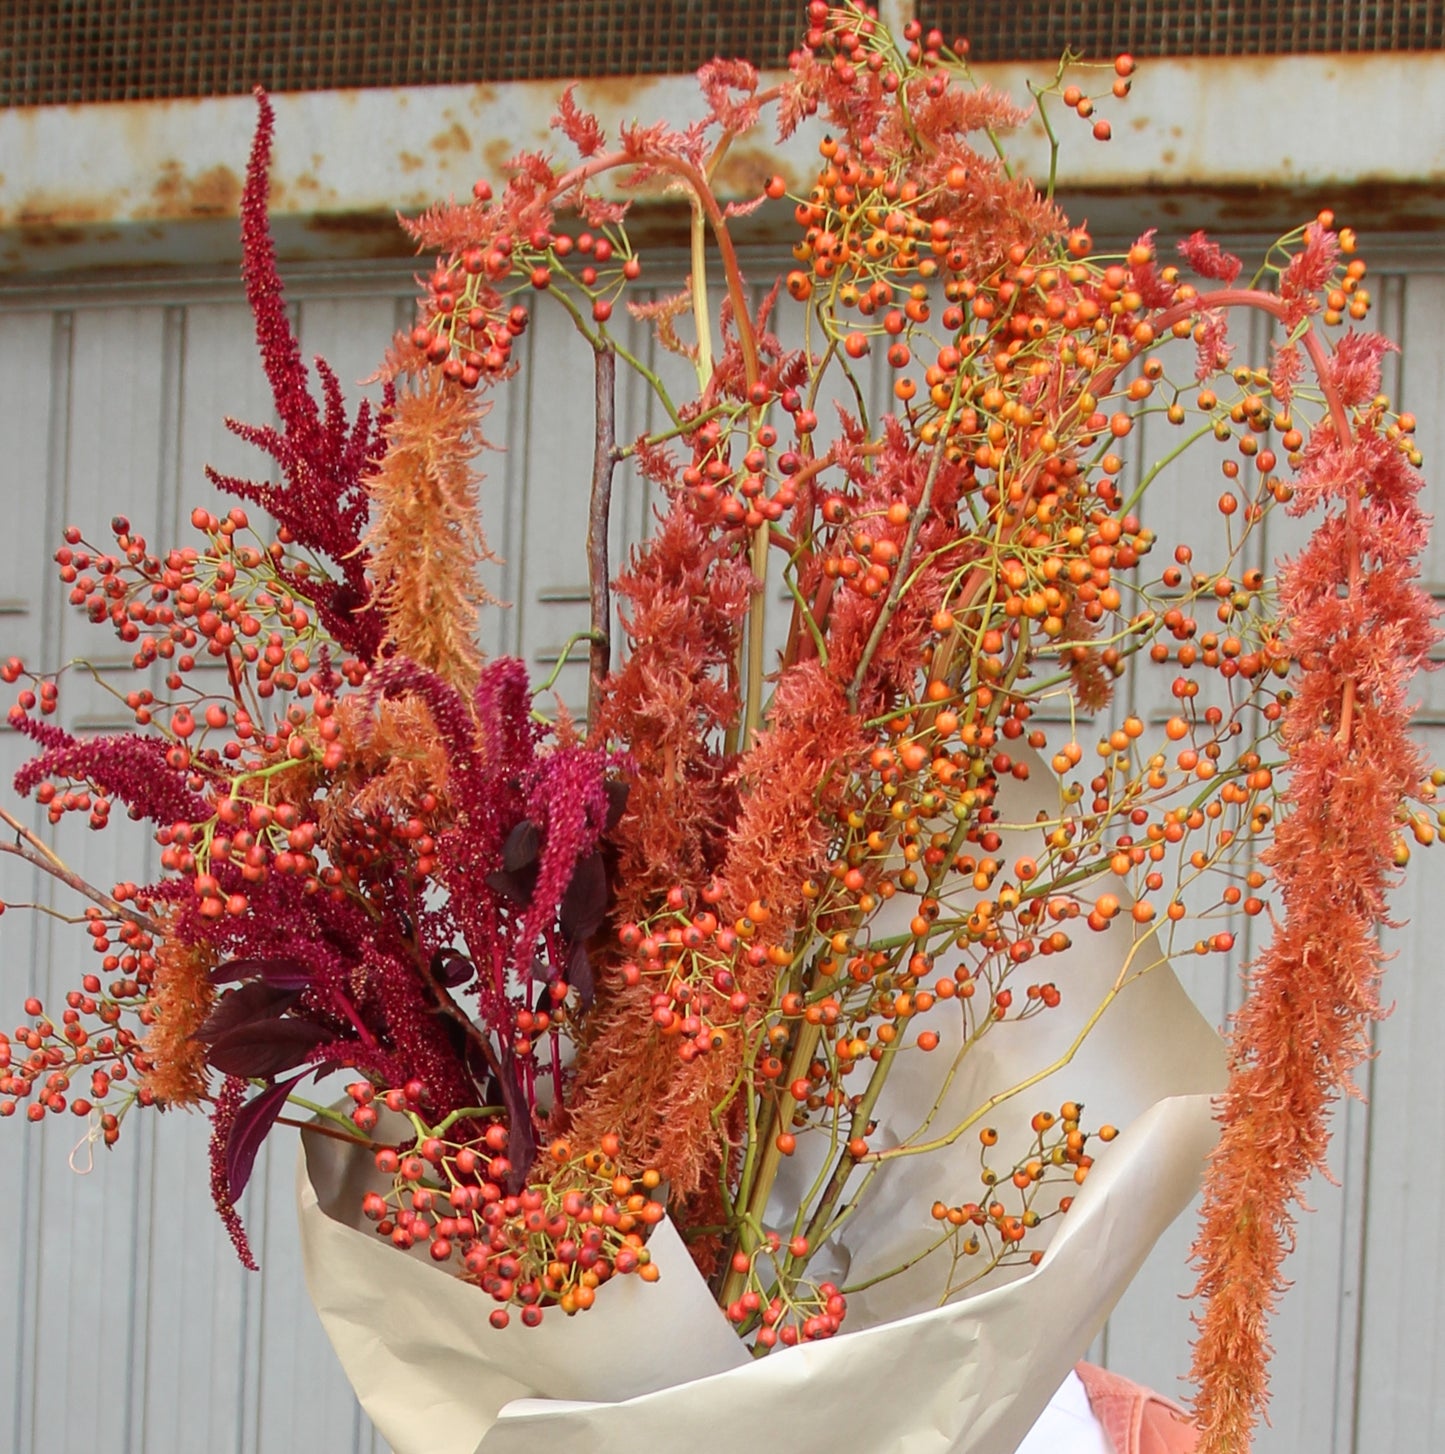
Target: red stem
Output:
[(685, 169)]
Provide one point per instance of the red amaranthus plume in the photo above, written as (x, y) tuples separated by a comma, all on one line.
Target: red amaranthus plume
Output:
[(1360, 626), (326, 460), (228, 1102)]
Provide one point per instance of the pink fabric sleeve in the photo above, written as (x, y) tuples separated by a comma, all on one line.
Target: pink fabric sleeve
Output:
[(1135, 1419)]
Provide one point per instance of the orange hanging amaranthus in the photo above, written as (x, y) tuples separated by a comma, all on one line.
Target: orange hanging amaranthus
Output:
[(1358, 626)]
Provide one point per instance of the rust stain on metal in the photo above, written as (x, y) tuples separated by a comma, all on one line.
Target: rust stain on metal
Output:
[(496, 153), (744, 170), (378, 229), (45, 221), (215, 192), (454, 138), (1371, 206), (51, 235), (36, 235), (606, 93), (1274, 204)]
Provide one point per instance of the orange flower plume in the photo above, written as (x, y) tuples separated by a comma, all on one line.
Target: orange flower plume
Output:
[(180, 999), (425, 541), (1359, 627)]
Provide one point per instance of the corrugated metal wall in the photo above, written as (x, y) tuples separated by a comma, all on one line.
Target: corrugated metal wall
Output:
[(125, 1322)]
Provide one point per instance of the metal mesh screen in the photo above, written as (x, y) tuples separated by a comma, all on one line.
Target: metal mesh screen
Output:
[(1041, 29), (63, 51)]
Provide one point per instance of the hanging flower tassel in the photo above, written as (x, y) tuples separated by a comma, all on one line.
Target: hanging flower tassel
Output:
[(1359, 626)]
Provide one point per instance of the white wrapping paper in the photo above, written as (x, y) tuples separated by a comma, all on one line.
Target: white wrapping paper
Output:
[(657, 1366)]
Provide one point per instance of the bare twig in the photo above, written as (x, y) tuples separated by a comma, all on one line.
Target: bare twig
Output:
[(604, 462), (39, 855), (901, 569)]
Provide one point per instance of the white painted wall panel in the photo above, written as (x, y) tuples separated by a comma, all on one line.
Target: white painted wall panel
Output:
[(1401, 1403), (114, 401)]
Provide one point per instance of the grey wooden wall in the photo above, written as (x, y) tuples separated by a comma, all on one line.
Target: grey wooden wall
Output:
[(125, 1322)]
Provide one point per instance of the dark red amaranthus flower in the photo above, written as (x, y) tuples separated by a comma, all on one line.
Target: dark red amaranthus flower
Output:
[(128, 767), (323, 505)]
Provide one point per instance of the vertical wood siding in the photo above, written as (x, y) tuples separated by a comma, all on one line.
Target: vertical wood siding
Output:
[(125, 1322)]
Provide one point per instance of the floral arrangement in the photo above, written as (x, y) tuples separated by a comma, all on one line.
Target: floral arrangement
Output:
[(637, 966)]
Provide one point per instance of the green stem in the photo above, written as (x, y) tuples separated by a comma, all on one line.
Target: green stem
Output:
[(755, 1195), (324, 1113), (701, 313), (566, 651), (1162, 464)]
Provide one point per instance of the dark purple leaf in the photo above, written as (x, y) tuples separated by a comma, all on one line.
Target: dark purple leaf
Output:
[(580, 976), (266, 1047), (585, 902), (281, 974), (451, 968), (523, 846), (254, 1001), (521, 1136), (518, 887), (617, 792), (253, 1121), (517, 877)]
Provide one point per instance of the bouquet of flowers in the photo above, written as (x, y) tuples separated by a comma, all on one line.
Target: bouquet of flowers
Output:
[(809, 973)]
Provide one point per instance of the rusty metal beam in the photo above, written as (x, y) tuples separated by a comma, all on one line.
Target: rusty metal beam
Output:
[(1239, 143)]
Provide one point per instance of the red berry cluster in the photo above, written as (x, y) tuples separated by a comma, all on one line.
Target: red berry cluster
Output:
[(765, 482), (466, 328), (992, 1232), (696, 962), (778, 1307), (551, 1244), (42, 1060), (217, 602), (600, 266)]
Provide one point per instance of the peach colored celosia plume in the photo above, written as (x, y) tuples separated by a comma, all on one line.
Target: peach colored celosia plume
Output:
[(181, 996), (425, 542), (685, 600)]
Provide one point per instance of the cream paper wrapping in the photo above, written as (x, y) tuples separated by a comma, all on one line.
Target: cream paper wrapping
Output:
[(656, 1366)]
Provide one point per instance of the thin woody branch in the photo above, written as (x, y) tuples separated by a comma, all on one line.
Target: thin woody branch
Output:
[(599, 512), (33, 851)]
